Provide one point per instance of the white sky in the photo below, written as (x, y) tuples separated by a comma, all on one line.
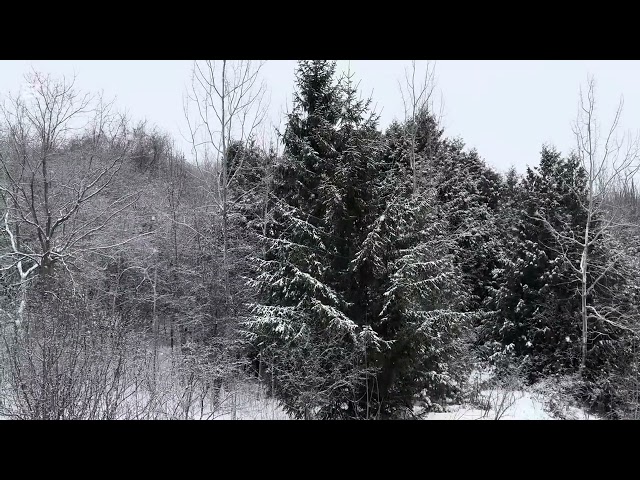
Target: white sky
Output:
[(505, 109)]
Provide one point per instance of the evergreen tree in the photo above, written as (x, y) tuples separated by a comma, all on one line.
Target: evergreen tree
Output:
[(469, 193), (406, 269), (534, 296), (538, 305), (307, 326)]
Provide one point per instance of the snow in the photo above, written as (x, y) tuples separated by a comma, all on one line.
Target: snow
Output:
[(247, 399), (251, 407), (518, 405), (490, 399), (250, 403), (524, 407)]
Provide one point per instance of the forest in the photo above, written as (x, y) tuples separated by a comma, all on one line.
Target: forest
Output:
[(325, 269)]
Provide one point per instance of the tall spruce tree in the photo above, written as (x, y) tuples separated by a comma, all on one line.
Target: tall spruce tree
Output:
[(308, 326), (407, 270)]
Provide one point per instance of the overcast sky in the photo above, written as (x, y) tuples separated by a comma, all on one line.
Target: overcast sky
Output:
[(505, 109)]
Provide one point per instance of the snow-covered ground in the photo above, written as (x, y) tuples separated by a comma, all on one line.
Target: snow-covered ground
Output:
[(525, 407), (251, 404), (248, 401), (501, 404), (543, 401)]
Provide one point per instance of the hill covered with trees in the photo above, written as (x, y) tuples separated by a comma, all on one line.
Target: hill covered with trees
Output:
[(340, 270)]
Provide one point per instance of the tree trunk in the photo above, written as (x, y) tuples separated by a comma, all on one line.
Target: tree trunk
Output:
[(225, 216), (155, 325), (584, 318), (584, 262)]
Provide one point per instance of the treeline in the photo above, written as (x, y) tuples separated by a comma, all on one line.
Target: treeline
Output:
[(350, 272)]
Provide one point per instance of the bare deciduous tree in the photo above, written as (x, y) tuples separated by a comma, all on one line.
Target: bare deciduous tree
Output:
[(608, 160), (418, 99), (60, 150), (228, 99)]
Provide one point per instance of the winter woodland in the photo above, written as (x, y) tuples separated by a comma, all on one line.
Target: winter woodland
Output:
[(329, 269)]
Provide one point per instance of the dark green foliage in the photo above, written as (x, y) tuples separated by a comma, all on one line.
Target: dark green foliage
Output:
[(361, 299), (537, 298), (407, 268), (469, 194), (307, 327)]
